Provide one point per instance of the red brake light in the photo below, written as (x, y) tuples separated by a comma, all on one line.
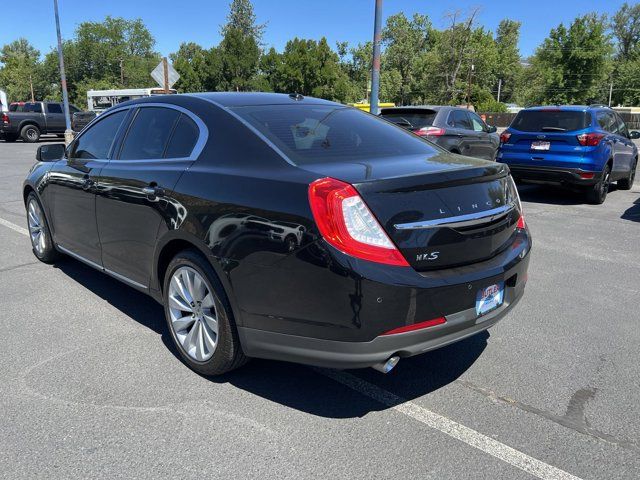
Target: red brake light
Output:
[(417, 326), (345, 222), (504, 137), (590, 139), (5, 119), (587, 175), (521, 225), (430, 132)]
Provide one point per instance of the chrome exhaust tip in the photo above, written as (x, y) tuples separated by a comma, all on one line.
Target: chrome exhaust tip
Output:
[(386, 367)]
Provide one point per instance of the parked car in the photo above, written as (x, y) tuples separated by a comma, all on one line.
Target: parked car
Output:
[(79, 120), (32, 120), (400, 247), (455, 129), (577, 146)]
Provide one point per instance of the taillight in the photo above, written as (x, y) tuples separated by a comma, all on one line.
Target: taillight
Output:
[(587, 175), (521, 225), (590, 139), (417, 326), (504, 137), (5, 119), (345, 222), (430, 132)]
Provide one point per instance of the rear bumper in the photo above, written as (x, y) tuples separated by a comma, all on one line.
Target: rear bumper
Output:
[(553, 174), (345, 354)]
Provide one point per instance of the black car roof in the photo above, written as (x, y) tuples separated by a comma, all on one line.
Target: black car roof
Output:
[(243, 99)]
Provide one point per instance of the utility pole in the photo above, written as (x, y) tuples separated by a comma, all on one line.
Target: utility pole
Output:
[(471, 70), (375, 70), (165, 67), (122, 73), (68, 133), (33, 98), (499, 89), (610, 92)]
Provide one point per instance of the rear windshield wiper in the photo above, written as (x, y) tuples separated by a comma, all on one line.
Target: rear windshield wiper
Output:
[(553, 129)]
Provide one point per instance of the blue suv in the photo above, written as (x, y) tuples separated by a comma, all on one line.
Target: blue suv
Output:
[(587, 147)]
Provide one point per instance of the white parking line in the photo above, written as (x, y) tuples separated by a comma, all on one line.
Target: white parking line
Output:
[(452, 428), (15, 227)]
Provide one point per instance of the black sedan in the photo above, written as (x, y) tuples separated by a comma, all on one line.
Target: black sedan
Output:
[(455, 129), (284, 227)]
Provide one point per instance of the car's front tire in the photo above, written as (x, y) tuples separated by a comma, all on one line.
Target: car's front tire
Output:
[(39, 232), (597, 193), (627, 183), (199, 316)]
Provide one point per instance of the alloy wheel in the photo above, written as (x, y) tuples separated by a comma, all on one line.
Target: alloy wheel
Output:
[(193, 313), (604, 185), (37, 230), (32, 134)]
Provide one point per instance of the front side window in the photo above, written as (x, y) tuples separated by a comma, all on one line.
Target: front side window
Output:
[(621, 127), (54, 108), (149, 133), (460, 119), (319, 133), (478, 124), (96, 141)]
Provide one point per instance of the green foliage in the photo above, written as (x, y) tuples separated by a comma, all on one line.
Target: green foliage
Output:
[(626, 29), (21, 66), (509, 68)]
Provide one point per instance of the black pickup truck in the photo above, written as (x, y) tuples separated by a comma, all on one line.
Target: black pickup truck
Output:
[(33, 119)]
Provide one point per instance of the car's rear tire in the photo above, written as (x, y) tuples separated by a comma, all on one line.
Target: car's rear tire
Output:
[(597, 193), (199, 316), (30, 134), (39, 232), (627, 183)]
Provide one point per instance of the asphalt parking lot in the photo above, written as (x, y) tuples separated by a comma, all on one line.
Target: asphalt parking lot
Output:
[(90, 386)]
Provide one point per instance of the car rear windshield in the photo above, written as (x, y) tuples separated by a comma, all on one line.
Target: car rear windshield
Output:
[(413, 119), (551, 120), (318, 133)]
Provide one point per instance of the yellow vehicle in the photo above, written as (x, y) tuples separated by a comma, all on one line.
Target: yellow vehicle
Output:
[(367, 107)]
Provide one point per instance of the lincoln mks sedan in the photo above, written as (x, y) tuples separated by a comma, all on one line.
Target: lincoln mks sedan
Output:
[(283, 227)]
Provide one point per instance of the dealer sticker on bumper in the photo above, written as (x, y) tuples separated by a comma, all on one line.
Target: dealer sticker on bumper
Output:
[(489, 298)]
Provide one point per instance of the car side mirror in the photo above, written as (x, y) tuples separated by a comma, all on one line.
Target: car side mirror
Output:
[(634, 134), (492, 129), (50, 153)]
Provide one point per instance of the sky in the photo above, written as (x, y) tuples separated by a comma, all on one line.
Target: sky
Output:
[(177, 21)]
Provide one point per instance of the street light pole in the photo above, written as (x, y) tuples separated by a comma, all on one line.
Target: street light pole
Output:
[(68, 133), (375, 70)]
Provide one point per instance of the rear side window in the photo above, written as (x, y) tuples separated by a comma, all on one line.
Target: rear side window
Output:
[(607, 121), (319, 133), (551, 121), (149, 133), (96, 141), (33, 107), (184, 138), (54, 108), (621, 127), (459, 119), (413, 119)]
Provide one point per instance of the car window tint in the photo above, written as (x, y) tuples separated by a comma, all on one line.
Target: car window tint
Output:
[(96, 141), (184, 138), (148, 135), (319, 133), (621, 127), (551, 120), (476, 121), (33, 107), (412, 119), (460, 119), (607, 121), (54, 108)]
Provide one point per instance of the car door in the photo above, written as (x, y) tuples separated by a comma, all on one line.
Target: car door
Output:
[(55, 118), (626, 150), (459, 120), (135, 194), (483, 143), (70, 190)]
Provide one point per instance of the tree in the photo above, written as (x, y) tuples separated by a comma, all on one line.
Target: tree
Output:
[(191, 63), (573, 64), (240, 55), (242, 17), (626, 30), (21, 66), (508, 62)]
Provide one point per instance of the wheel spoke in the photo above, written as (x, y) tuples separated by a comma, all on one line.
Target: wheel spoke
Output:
[(189, 342), (199, 288), (181, 288), (209, 337), (179, 303), (207, 302), (183, 323), (211, 323), (200, 351)]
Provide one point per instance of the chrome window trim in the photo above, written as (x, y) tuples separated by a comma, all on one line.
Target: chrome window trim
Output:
[(99, 267), (203, 135), (460, 221), (257, 132)]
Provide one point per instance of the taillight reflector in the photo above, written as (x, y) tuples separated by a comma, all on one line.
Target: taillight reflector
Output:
[(504, 137), (587, 175), (430, 132), (417, 326), (590, 139), (346, 223), (521, 223)]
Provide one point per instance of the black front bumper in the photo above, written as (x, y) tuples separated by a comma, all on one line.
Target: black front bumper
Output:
[(553, 175)]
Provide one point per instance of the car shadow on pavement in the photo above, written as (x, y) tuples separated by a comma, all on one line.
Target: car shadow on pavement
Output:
[(632, 213), (549, 194), (299, 387)]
